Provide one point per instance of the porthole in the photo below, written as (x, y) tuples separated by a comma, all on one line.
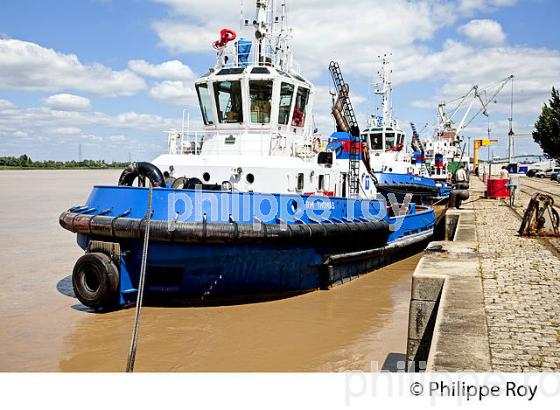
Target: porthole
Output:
[(250, 178), (206, 176), (293, 206)]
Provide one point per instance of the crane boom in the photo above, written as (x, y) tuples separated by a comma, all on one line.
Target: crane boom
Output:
[(345, 118), (475, 94)]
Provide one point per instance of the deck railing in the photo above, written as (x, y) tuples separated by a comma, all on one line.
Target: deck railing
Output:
[(191, 143)]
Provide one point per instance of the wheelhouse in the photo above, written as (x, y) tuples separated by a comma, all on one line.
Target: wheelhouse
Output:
[(384, 139), (255, 98)]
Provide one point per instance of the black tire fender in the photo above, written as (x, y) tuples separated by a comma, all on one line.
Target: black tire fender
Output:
[(142, 170), (95, 280)]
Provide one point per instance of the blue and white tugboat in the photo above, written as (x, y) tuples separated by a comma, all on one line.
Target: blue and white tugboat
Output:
[(251, 207), (394, 170)]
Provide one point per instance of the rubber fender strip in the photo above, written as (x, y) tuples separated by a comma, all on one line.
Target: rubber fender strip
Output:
[(345, 257), (126, 228), (124, 214)]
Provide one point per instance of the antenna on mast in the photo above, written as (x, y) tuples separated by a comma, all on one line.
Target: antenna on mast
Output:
[(511, 134), (384, 89), (241, 22)]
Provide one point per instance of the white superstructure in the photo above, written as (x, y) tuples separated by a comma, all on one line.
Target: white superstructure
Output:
[(258, 126), (385, 139)]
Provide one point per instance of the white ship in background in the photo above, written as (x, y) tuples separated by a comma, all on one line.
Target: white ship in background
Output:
[(446, 149)]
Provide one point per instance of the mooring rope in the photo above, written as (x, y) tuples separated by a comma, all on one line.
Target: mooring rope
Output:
[(134, 341)]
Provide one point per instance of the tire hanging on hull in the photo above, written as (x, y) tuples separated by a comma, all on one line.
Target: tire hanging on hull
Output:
[(95, 280)]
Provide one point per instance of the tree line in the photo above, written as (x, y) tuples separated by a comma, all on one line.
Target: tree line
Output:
[(25, 161)]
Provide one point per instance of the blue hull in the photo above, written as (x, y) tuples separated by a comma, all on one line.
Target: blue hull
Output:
[(211, 269), (399, 185)]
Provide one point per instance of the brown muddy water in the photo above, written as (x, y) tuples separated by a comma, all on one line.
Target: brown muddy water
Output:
[(43, 328)]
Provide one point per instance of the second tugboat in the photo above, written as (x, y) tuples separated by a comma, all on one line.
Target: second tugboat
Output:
[(394, 171), (254, 208)]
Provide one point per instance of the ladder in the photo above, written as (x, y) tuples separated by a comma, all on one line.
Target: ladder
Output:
[(417, 145), (416, 142), (346, 122)]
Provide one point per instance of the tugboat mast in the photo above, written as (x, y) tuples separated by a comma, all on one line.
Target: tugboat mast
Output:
[(268, 38), (384, 89)]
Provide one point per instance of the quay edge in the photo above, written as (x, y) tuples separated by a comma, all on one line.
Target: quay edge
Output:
[(447, 328)]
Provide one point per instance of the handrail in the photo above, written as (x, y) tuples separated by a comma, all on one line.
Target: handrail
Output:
[(191, 142)]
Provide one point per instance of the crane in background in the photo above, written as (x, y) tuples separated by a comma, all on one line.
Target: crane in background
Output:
[(484, 96), (455, 116)]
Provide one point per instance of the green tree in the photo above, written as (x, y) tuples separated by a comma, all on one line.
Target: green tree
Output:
[(547, 133)]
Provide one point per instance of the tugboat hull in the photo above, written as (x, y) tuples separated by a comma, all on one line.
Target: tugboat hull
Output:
[(215, 261)]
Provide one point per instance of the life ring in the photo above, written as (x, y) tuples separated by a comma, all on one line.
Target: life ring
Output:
[(226, 36), (142, 170), (95, 280)]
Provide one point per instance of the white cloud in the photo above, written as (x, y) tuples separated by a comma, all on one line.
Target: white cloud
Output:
[(484, 32), (203, 10), (30, 67), (91, 138), (45, 133), (48, 121), (67, 102), (118, 138), (21, 134), (6, 105), (169, 70), (175, 92), (67, 131), (461, 67), (183, 37), (390, 25), (468, 7)]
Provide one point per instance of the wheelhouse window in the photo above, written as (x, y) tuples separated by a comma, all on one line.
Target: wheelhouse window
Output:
[(389, 141), (229, 101), (261, 101), (302, 99), (376, 141), (286, 97), (205, 104)]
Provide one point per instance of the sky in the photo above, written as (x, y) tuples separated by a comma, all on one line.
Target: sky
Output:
[(112, 76)]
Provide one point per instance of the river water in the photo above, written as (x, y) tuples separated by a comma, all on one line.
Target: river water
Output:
[(357, 326)]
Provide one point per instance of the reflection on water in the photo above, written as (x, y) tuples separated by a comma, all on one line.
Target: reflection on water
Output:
[(345, 328)]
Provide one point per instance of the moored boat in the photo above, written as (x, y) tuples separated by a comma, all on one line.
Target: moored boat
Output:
[(250, 207)]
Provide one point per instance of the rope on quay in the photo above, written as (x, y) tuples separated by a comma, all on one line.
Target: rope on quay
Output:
[(474, 200), (134, 341)]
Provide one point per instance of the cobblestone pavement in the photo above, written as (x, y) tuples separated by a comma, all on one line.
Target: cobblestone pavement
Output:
[(521, 282)]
